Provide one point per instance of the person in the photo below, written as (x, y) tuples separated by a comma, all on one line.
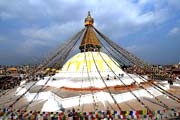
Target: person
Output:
[(108, 77), (119, 75), (133, 83), (108, 112), (74, 114), (122, 75), (170, 82)]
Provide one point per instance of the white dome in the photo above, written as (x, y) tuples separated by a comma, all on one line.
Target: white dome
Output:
[(83, 62), (82, 66)]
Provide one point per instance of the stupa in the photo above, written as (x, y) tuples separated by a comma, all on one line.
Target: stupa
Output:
[(90, 80)]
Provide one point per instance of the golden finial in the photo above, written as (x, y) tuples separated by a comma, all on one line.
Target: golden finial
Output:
[(89, 14), (89, 20), (90, 41)]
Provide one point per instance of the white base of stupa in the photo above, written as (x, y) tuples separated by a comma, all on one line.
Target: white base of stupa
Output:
[(51, 101), (54, 102)]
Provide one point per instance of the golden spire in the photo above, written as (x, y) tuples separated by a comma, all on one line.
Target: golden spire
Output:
[(88, 20), (90, 41)]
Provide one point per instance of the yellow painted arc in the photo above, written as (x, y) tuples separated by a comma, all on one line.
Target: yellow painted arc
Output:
[(76, 63)]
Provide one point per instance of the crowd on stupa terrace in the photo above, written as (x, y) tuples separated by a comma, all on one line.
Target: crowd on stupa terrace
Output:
[(159, 72), (11, 76)]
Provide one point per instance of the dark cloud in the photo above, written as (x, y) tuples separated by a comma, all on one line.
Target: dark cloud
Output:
[(34, 26)]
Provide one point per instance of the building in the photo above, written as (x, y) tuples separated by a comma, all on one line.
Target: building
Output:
[(91, 80)]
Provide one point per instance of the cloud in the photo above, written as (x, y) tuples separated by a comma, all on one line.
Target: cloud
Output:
[(2, 38), (174, 3), (174, 31), (48, 36), (132, 48), (6, 15), (34, 11), (36, 24), (75, 9), (52, 32), (123, 22), (28, 46)]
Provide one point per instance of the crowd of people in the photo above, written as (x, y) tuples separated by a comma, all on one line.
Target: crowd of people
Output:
[(152, 73), (9, 82)]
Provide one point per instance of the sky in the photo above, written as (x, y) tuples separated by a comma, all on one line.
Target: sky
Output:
[(30, 29)]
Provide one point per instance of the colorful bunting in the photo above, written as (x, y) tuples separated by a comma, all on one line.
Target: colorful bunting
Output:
[(139, 114)]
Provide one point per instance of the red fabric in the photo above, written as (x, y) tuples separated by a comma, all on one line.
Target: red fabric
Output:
[(149, 112), (90, 113), (137, 112), (62, 113), (121, 113), (110, 116), (1, 113), (60, 117), (26, 115)]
